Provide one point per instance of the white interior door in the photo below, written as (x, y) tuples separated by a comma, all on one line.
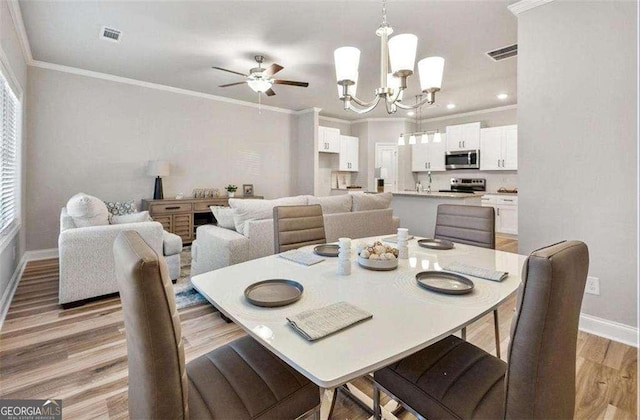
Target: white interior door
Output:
[(387, 157)]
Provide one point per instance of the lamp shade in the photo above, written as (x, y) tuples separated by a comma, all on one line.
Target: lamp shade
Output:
[(412, 139), (437, 138), (158, 168), (401, 140), (402, 52), (347, 60), (425, 138), (351, 89), (259, 85), (431, 69)]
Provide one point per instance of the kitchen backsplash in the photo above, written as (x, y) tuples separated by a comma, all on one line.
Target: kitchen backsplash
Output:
[(441, 180)]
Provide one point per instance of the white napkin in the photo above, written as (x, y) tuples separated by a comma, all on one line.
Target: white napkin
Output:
[(301, 257), (321, 322), (483, 273)]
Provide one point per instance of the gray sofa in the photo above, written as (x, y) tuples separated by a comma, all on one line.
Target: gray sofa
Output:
[(217, 247), (87, 267)]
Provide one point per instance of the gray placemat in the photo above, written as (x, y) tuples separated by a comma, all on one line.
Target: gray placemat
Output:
[(483, 273), (301, 257), (321, 322)]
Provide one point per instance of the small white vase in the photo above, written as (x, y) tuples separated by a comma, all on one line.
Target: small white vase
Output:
[(231, 194)]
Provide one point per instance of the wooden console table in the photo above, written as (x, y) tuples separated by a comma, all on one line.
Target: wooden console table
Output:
[(183, 216)]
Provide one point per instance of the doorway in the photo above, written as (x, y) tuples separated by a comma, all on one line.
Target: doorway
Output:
[(387, 159)]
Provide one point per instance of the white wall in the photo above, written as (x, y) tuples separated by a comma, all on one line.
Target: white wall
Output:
[(95, 136), (11, 56), (577, 117)]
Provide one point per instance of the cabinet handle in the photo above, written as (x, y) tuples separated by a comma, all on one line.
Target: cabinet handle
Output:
[(462, 143), (498, 163), (503, 163), (172, 208), (498, 211), (459, 144), (425, 166), (429, 165), (504, 199)]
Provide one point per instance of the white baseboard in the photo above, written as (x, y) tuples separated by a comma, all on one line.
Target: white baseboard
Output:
[(41, 254), (609, 329), (7, 296)]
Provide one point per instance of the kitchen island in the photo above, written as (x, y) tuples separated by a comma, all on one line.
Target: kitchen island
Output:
[(417, 210)]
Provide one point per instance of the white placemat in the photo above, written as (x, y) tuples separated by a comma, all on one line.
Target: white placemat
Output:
[(301, 257), (483, 273), (318, 323)]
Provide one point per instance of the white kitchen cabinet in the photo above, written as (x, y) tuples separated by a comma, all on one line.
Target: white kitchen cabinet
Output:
[(463, 137), (349, 151), (428, 156), (328, 140), (506, 210), (499, 148)]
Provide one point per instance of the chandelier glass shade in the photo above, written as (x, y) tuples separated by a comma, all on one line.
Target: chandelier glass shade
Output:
[(398, 53)]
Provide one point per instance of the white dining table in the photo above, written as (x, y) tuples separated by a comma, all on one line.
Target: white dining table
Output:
[(406, 317)]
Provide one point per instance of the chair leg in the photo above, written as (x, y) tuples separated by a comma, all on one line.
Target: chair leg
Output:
[(463, 333), (496, 327), (376, 402)]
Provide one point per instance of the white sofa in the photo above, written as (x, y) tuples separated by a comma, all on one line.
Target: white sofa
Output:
[(217, 247), (87, 267)]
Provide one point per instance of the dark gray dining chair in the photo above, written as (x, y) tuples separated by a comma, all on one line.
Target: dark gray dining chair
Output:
[(240, 380), (455, 379), (297, 226), (471, 225)]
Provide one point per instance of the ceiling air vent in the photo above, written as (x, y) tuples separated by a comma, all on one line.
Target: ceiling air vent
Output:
[(504, 52), (110, 34)]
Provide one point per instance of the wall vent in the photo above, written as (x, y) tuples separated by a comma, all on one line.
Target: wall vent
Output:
[(503, 53), (110, 34)]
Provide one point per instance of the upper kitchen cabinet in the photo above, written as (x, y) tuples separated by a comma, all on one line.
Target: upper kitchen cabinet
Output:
[(463, 137), (328, 140), (499, 148), (428, 156), (349, 150)]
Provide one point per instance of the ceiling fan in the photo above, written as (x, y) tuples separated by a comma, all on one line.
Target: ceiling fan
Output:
[(260, 79)]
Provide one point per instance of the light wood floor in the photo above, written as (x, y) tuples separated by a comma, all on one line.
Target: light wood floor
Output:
[(79, 355)]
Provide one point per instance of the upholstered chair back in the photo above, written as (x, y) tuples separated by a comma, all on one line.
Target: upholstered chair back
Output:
[(157, 376), (297, 226), (541, 373), (471, 225)]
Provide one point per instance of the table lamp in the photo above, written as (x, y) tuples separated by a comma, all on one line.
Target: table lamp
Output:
[(158, 168)]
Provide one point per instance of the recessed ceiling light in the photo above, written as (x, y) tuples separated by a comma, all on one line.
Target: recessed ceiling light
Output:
[(502, 96), (451, 106), (411, 113)]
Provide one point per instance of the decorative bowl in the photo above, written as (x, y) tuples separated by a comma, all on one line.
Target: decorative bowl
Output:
[(378, 265)]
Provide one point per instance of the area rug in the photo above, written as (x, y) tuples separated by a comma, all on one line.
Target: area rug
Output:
[(185, 294)]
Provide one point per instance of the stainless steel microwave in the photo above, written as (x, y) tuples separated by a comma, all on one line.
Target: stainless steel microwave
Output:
[(462, 159)]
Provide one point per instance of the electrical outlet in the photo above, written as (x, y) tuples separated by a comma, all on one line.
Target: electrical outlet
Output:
[(593, 286)]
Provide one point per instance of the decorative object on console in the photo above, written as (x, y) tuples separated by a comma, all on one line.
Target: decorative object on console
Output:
[(158, 168), (231, 190), (247, 189), (400, 51)]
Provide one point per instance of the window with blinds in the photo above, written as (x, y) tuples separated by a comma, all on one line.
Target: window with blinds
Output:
[(8, 155)]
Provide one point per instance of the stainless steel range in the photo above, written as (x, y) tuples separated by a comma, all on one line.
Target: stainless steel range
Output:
[(467, 185)]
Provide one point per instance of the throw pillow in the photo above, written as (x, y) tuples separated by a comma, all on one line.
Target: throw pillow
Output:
[(363, 201), (245, 210), (119, 219), (87, 211), (224, 216), (118, 208), (333, 204)]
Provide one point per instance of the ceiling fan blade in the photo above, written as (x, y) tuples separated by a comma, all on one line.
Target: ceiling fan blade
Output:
[(272, 69), (230, 71), (269, 92), (233, 84), (290, 83)]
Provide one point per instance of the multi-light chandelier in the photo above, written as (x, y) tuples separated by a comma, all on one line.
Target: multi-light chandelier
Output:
[(401, 52), (419, 133)]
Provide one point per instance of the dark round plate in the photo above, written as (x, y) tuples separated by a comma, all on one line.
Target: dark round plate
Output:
[(272, 293), (444, 282), (435, 243), (326, 250)]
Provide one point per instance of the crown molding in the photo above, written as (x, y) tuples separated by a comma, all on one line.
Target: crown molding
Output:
[(156, 86), (467, 114), (525, 5), (307, 110), (16, 16), (333, 119), (382, 119)]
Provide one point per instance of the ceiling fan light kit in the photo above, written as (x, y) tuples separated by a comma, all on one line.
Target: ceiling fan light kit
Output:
[(401, 52)]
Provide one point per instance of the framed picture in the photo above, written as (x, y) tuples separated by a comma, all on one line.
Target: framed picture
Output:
[(247, 189)]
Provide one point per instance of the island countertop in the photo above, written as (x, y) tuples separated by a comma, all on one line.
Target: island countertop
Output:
[(436, 194)]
